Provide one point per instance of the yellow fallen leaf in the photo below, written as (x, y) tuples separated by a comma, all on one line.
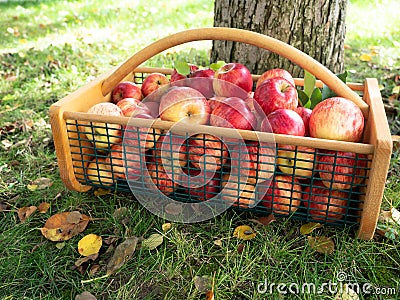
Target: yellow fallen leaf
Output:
[(166, 226), (25, 212), (89, 244), (365, 57), (153, 241), (39, 184), (321, 244), (43, 207), (309, 227), (101, 192), (244, 232)]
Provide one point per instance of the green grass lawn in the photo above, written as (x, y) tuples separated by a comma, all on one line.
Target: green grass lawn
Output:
[(51, 48)]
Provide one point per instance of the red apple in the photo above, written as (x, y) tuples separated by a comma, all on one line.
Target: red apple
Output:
[(200, 185), (202, 80), (284, 121), (99, 172), (131, 107), (147, 136), (153, 82), (175, 76), (160, 180), (126, 89), (276, 93), (233, 112), (207, 152), (171, 151), (103, 135), (214, 101), (275, 73), (324, 204), (236, 74), (296, 160), (153, 107), (305, 114), (184, 104), (254, 161), (238, 193), (341, 170), (337, 119), (283, 196)]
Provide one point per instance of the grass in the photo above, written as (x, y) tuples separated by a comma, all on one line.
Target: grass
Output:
[(49, 49)]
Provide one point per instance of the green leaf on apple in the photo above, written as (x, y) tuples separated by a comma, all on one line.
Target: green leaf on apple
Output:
[(182, 67), (215, 66), (327, 92), (316, 97), (304, 99), (309, 83)]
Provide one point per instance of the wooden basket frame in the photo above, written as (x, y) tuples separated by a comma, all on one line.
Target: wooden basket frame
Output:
[(376, 142)]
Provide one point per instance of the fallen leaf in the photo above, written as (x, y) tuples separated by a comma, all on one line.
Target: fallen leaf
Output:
[(101, 192), (123, 252), (89, 244), (218, 243), (346, 293), (244, 232), (43, 207), (173, 209), (94, 269), (265, 221), (210, 295), (240, 248), (25, 212), (39, 184), (4, 206), (153, 241), (120, 214), (321, 244), (166, 226), (202, 283), (390, 216), (57, 228), (61, 245), (74, 217), (365, 57), (85, 259), (85, 296), (309, 227)]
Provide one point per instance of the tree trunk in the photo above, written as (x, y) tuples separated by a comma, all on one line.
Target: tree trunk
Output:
[(316, 27)]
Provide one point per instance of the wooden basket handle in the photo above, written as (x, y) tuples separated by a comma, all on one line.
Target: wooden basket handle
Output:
[(238, 35)]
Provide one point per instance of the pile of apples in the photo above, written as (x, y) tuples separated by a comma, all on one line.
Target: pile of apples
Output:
[(286, 177)]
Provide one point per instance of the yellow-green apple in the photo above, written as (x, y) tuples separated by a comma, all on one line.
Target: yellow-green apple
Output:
[(126, 89), (296, 160), (184, 104), (283, 196), (324, 204), (160, 180), (233, 112), (99, 172), (338, 119), (131, 107), (276, 93), (253, 161), (341, 170), (206, 151), (171, 151), (103, 135), (153, 82), (284, 121), (203, 186), (275, 73), (234, 73), (305, 114)]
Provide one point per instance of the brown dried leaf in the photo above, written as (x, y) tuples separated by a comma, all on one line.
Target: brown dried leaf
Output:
[(122, 254), (321, 244), (25, 212), (210, 295), (120, 214), (39, 184), (4, 206), (85, 296), (240, 248), (265, 221), (74, 217), (309, 227), (94, 269), (43, 207), (57, 228), (82, 260), (244, 232)]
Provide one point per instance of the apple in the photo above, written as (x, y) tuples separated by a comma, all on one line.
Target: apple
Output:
[(324, 204), (175, 76), (284, 121), (171, 151), (276, 93), (126, 89), (237, 193), (305, 114), (283, 196), (275, 73), (103, 135), (99, 172), (184, 104), (338, 119), (233, 112), (131, 107), (200, 185), (254, 161), (207, 152), (234, 73), (153, 107), (202, 80), (153, 82), (125, 160), (147, 136), (160, 180), (341, 170), (214, 101), (296, 160)]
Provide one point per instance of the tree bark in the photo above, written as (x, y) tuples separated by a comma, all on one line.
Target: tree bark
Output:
[(316, 27)]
